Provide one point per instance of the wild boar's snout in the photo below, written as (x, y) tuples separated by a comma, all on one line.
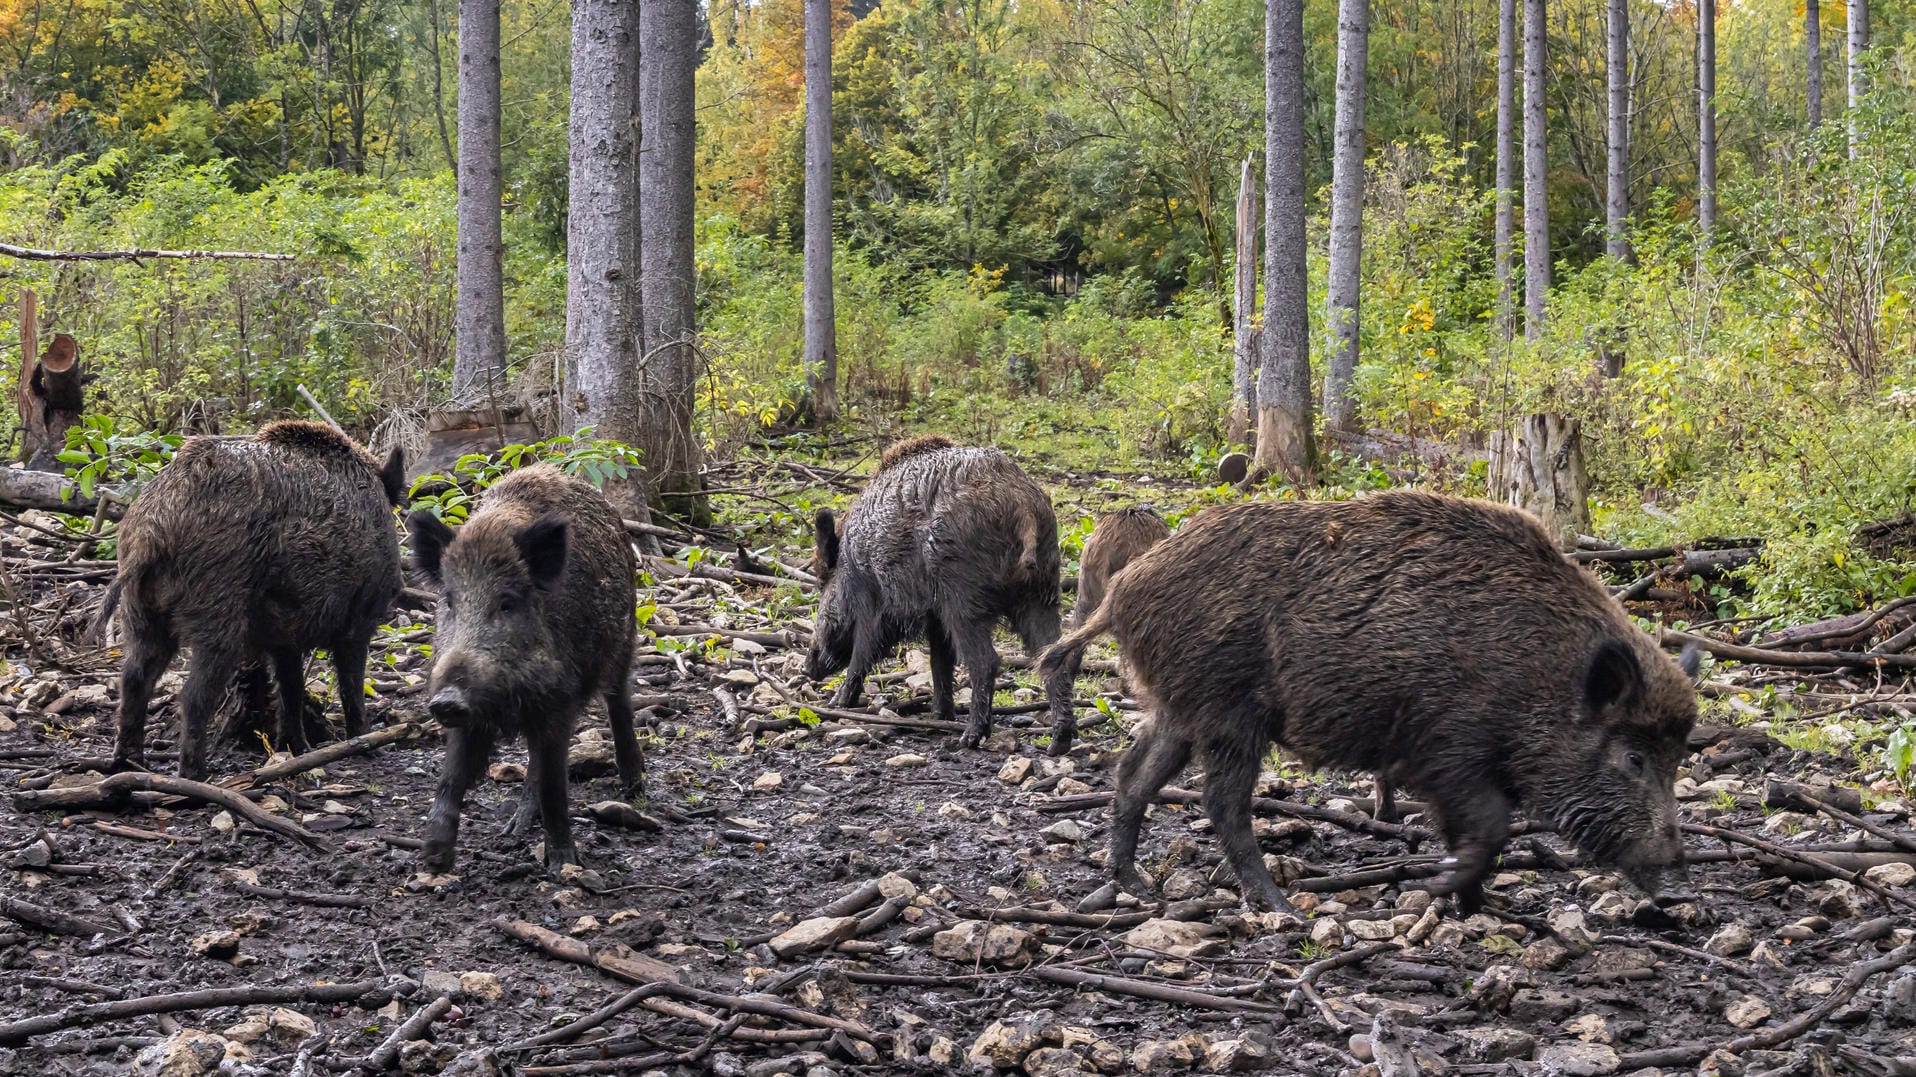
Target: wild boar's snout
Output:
[(449, 706)]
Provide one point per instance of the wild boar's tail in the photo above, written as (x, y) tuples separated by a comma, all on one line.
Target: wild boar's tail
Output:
[(96, 631), (1028, 539), (1069, 648)]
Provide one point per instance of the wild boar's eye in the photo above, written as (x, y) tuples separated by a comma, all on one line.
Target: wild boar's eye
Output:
[(508, 603), (1634, 761)]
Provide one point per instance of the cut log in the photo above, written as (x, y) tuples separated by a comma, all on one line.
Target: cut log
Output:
[(57, 493), (1539, 468), (50, 401)]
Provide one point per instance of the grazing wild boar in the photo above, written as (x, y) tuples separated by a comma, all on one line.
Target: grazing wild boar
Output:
[(1120, 538), (1444, 643), (536, 616), (944, 543), (262, 547)]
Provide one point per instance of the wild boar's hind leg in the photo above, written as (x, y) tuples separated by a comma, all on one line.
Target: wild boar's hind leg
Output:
[(1038, 626), (547, 748), (149, 647), (1153, 759), (1230, 774), (289, 669), (981, 666), (349, 668), (528, 809), (467, 752), (943, 662), (625, 739), (211, 673)]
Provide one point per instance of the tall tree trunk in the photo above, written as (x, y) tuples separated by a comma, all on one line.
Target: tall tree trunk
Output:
[(1284, 441), (479, 346), (1347, 213), (1536, 175), (602, 316), (1813, 43), (1617, 200), (821, 329), (1858, 44), (668, 367), (1243, 335), (1506, 161), (1706, 118)]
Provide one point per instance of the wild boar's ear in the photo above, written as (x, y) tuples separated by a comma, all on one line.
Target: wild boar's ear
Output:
[(430, 537), (542, 545), (392, 476), (1691, 660), (827, 527), (1614, 676)]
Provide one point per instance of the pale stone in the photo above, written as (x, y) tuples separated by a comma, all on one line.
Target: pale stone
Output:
[(1496, 1044), (1015, 770), (1177, 938), (1747, 1012), (190, 1052), (1373, 930), (1005, 1042), (814, 934), (218, 945), (1168, 1056), (1730, 940), (1892, 874), (906, 759), (1579, 1060), (483, 986), (1065, 830), (768, 781), (977, 942)]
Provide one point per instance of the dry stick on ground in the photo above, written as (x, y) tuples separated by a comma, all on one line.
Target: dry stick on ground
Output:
[(53, 920), (570, 949), (145, 835), (115, 792), (14, 1033), (334, 901), (1805, 797), (1768, 657), (1267, 805), (1675, 948), (387, 1053), (1121, 985), (858, 899), (1853, 982), (1782, 853), (320, 757)]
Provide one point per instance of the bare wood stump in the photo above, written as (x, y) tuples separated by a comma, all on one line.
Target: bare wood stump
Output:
[(50, 402), (1539, 468)]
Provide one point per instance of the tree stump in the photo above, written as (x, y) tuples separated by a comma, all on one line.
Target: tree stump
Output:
[(50, 400), (1539, 468)]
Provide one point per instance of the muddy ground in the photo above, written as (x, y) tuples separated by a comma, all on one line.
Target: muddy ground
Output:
[(762, 819)]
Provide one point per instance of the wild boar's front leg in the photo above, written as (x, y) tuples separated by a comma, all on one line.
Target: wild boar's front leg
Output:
[(467, 750), (214, 664), (1476, 824), (1153, 759), (547, 749), (625, 739), (289, 670), (981, 666), (943, 663), (864, 657)]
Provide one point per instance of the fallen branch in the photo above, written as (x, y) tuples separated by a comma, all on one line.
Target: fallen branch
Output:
[(1262, 805), (304, 897), (116, 791), (1765, 1039), (52, 920), (320, 757), (1783, 853), (14, 1033), (36, 254), (1767, 657), (387, 1053), (1120, 985)]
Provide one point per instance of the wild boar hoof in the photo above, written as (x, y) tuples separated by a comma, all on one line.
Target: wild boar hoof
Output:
[(1060, 744), (970, 740), (435, 858), (559, 858), (123, 763)]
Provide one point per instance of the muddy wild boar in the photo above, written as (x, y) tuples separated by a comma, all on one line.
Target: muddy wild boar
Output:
[(944, 543), (1119, 538), (263, 547), (535, 617), (1443, 643)]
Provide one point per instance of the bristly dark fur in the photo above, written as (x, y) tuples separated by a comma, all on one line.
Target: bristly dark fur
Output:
[(535, 619), (263, 547), (912, 447), (944, 543), (1444, 643), (1119, 538)]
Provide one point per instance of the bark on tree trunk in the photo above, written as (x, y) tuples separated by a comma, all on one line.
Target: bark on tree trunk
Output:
[(1244, 334), (1539, 468), (1858, 44), (668, 367), (1536, 174), (1617, 193), (479, 345), (50, 402), (1347, 214), (1506, 161), (1706, 118), (821, 331), (1813, 44), (1284, 442), (602, 297)]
